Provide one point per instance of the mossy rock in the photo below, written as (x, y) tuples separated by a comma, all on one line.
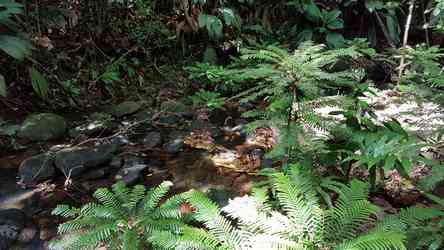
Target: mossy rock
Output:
[(43, 127), (125, 108)]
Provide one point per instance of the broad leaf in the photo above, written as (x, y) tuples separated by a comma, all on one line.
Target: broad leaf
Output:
[(373, 5), (313, 13), (39, 83), (2, 86), (15, 46), (335, 39), (9, 8), (228, 14)]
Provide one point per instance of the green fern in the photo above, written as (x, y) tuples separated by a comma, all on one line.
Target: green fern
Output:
[(122, 218), (292, 84), (300, 221)]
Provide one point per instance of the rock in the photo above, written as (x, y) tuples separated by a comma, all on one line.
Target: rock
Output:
[(116, 162), (12, 221), (169, 120), (95, 174), (174, 145), (173, 107), (152, 139), (125, 108), (42, 127), (73, 161), (131, 170), (92, 127), (129, 175), (120, 140), (37, 168)]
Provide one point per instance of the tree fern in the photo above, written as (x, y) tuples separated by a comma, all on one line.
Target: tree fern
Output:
[(289, 83)]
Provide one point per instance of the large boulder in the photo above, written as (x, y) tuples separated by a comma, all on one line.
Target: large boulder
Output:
[(42, 127), (12, 221), (73, 161), (36, 168)]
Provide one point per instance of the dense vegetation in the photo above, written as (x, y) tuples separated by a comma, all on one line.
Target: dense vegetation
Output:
[(274, 65)]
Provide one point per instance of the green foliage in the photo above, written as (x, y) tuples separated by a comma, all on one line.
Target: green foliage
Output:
[(437, 19), (211, 100), (302, 221), (383, 148), (431, 235), (123, 218), (292, 84), (324, 22), (3, 92), (424, 66), (39, 83), (10, 42)]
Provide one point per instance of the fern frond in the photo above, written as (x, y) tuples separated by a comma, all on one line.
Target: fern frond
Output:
[(65, 211), (155, 195), (375, 241), (208, 213)]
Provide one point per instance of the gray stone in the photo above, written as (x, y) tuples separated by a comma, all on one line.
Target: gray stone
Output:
[(125, 108), (73, 161), (129, 175), (116, 162), (152, 139), (12, 221), (175, 145), (169, 120), (92, 127), (42, 127), (36, 168)]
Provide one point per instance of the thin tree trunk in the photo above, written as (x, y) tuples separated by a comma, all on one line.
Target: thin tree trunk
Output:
[(405, 39)]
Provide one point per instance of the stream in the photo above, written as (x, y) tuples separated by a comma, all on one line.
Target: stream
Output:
[(49, 159)]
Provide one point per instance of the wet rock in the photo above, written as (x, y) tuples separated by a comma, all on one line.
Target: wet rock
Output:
[(175, 145), (169, 120), (120, 140), (125, 108), (173, 106), (129, 175), (93, 127), (37, 168), (12, 221), (152, 139), (131, 170), (116, 162), (42, 127), (73, 161), (95, 174)]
